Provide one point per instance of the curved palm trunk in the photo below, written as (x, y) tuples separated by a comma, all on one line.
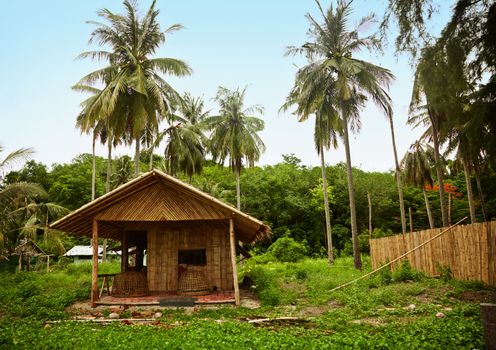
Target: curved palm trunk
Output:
[(470, 193), (351, 192), (137, 157), (398, 178), (428, 208), (93, 169), (439, 171), (330, 255)]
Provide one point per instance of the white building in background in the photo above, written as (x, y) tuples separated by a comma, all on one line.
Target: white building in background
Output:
[(82, 253)]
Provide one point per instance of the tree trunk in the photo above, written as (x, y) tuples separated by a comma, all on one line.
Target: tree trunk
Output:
[(398, 178), (481, 195), (150, 165), (411, 218), (93, 169), (107, 190), (109, 166), (449, 208), (357, 260), (330, 255), (428, 208), (237, 171), (370, 214), (439, 171), (470, 194), (137, 157)]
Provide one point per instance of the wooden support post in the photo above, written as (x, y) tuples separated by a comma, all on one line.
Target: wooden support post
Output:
[(232, 240), (94, 275), (124, 252)]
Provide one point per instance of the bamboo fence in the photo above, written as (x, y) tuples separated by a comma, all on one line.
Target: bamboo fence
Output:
[(468, 250)]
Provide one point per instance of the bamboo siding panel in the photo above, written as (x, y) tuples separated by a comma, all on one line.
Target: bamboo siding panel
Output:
[(164, 244), (469, 251)]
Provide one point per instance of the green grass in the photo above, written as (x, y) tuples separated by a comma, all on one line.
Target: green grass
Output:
[(372, 313)]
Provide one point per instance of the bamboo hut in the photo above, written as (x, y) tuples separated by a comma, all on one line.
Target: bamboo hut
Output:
[(189, 238)]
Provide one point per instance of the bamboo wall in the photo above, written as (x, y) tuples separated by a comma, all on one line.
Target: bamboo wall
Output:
[(469, 251), (162, 259)]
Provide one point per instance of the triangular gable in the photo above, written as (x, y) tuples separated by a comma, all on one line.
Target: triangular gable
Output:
[(159, 202)]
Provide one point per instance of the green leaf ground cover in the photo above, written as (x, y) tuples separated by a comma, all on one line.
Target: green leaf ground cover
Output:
[(372, 314)]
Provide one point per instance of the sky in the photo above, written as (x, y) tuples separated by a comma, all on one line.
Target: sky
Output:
[(226, 43)]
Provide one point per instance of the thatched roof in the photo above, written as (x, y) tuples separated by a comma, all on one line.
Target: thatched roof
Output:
[(155, 198)]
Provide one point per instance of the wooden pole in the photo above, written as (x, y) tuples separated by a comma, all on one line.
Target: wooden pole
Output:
[(398, 258), (232, 240), (94, 275), (370, 214), (124, 251)]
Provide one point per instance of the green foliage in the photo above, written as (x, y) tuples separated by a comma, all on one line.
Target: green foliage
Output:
[(286, 249), (405, 272)]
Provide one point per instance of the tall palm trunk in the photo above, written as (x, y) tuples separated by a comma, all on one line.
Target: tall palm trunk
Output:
[(398, 178), (479, 190), (107, 190), (330, 255), (439, 170), (109, 166), (470, 193), (369, 201), (237, 171), (351, 193), (137, 157), (93, 168), (428, 208), (150, 164)]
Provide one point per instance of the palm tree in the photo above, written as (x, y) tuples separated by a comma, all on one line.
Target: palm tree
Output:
[(12, 197), (327, 122), (331, 49), (397, 173), (134, 77), (417, 165), (235, 133), (185, 147)]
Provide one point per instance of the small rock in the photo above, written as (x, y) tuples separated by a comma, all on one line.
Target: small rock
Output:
[(113, 315), (448, 309), (219, 321), (47, 326), (411, 307), (157, 315), (440, 315)]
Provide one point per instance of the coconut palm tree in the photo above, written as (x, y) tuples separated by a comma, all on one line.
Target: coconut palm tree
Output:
[(185, 141), (235, 133), (327, 122), (135, 76), (331, 47), (417, 164)]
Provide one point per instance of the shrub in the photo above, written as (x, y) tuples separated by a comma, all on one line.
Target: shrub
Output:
[(286, 249), (406, 273)]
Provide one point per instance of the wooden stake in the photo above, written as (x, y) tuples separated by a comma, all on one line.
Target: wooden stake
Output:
[(94, 275), (232, 240), (400, 257)]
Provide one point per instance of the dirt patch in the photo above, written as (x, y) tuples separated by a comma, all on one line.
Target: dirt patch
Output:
[(479, 296), (370, 321), (312, 311)]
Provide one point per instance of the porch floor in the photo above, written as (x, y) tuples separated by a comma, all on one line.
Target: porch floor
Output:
[(155, 298)]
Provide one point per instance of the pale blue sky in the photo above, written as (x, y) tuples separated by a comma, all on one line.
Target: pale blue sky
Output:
[(229, 43)]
